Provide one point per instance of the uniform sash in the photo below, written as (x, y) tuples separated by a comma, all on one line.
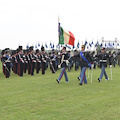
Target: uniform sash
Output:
[(89, 65)]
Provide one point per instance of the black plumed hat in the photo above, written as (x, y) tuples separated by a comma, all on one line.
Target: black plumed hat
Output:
[(37, 51), (20, 48), (31, 48), (42, 48)]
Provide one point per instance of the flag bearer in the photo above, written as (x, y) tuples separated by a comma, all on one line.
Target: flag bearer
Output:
[(64, 65)]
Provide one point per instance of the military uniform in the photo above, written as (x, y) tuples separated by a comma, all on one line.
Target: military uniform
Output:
[(64, 64), (14, 61), (103, 56), (25, 61), (6, 59), (38, 62), (20, 59), (53, 62), (85, 61), (43, 60), (32, 57)]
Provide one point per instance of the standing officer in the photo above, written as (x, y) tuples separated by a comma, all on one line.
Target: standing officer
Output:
[(103, 63), (64, 65)]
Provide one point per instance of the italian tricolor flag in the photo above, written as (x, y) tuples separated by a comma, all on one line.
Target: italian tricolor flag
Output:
[(66, 37)]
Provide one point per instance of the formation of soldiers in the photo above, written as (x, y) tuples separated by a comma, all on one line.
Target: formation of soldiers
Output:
[(21, 61)]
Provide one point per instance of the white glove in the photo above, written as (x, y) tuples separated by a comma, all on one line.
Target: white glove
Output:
[(92, 65), (59, 53), (110, 66), (59, 66), (67, 62), (93, 55)]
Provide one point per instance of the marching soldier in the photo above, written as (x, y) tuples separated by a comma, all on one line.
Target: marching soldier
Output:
[(38, 62), (28, 59), (43, 60), (85, 61), (64, 65), (70, 61), (3, 54), (53, 62), (14, 61), (103, 56), (32, 57), (76, 61), (6, 63), (20, 59), (118, 58), (114, 58), (25, 61)]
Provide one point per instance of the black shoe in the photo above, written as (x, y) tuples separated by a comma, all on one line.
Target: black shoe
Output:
[(78, 78), (99, 80), (57, 80), (80, 83)]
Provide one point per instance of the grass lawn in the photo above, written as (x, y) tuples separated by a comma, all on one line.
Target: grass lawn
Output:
[(40, 97)]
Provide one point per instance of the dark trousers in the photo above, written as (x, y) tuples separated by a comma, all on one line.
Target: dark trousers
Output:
[(7, 70), (43, 67), (37, 67), (29, 68), (20, 69), (25, 67), (32, 68)]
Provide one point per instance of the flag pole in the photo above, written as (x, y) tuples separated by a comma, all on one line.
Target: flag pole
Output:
[(58, 32)]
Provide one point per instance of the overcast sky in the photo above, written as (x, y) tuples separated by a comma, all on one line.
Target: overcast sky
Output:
[(33, 21)]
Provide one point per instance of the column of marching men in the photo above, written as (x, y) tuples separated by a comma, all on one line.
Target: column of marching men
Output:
[(22, 61)]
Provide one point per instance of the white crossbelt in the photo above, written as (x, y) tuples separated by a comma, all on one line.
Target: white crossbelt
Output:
[(103, 60)]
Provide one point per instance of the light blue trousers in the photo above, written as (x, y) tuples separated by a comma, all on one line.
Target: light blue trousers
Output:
[(103, 72), (83, 76), (63, 71)]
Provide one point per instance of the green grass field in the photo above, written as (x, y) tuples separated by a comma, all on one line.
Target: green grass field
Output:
[(40, 97)]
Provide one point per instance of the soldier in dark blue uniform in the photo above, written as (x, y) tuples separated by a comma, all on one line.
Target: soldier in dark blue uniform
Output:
[(64, 64), (25, 61), (85, 61), (70, 61), (14, 61), (43, 60), (53, 62), (28, 59), (20, 59), (32, 57), (103, 56), (77, 59), (38, 62), (6, 59), (3, 54)]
